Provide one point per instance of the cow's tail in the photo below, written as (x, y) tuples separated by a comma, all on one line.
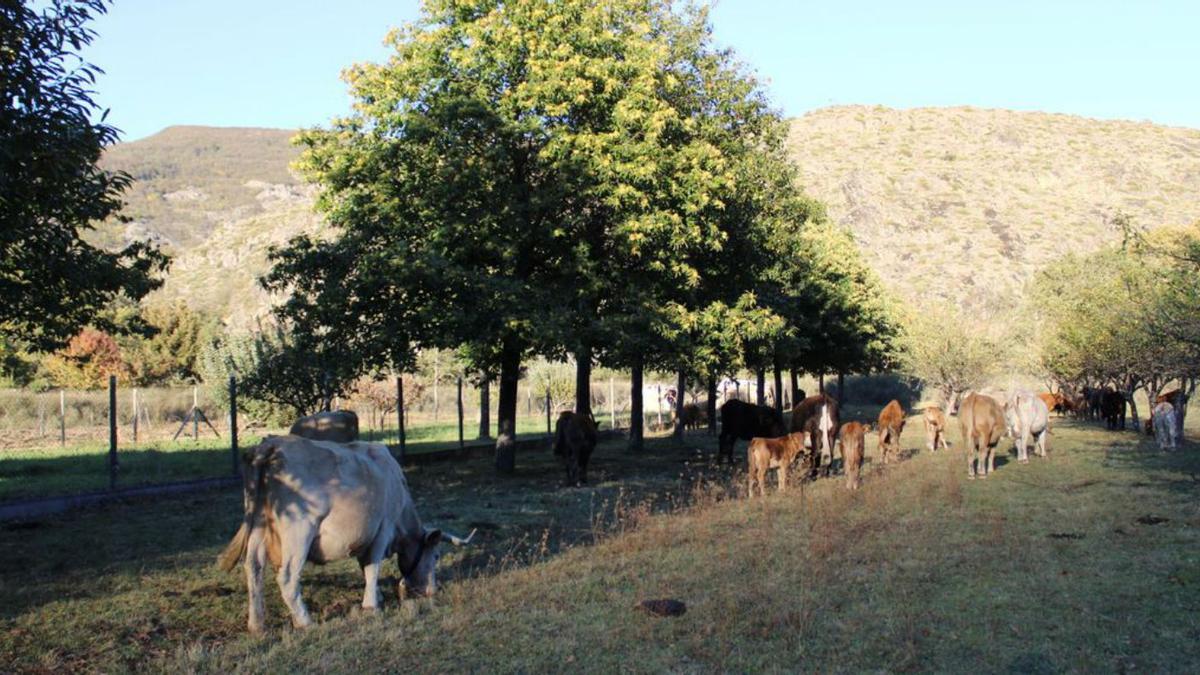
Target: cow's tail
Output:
[(254, 464)]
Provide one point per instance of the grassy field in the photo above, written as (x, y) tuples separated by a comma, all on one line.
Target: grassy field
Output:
[(1086, 561)]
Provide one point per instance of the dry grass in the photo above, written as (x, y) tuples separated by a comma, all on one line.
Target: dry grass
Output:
[(919, 570)]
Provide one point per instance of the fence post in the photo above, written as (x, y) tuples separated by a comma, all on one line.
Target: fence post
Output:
[(612, 403), (195, 414), (233, 430), (548, 432), (400, 413), (658, 404), (460, 414), (62, 416), (112, 432), (135, 414)]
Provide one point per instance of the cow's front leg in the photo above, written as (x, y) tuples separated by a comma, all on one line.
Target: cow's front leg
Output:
[(295, 539), (782, 477), (371, 563)]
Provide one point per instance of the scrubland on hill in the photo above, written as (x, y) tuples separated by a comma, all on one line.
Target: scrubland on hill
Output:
[(958, 204)]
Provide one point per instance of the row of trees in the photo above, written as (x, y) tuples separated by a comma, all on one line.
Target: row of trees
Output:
[(1127, 316), (568, 178)]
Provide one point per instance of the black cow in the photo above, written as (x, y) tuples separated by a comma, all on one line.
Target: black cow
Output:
[(746, 421), (1094, 401), (1112, 409), (574, 441)]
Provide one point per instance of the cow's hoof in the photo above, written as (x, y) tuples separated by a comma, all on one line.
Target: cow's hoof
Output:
[(970, 476), (1023, 461)]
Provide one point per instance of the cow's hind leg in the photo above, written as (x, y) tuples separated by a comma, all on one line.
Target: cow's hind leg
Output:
[(295, 538), (256, 560)]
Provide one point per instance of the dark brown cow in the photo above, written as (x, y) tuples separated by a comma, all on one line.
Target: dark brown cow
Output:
[(741, 420), (339, 426), (818, 416), (771, 453), (851, 436), (574, 442), (694, 416), (891, 425), (1112, 409), (982, 424)]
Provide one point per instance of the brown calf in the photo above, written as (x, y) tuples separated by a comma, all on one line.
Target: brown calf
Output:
[(891, 424), (772, 453), (851, 436), (935, 428), (1051, 400), (982, 424)]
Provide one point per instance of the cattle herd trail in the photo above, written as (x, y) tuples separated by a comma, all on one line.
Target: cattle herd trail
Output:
[(1085, 560)]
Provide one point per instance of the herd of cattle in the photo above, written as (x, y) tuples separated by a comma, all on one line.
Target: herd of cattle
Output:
[(318, 494)]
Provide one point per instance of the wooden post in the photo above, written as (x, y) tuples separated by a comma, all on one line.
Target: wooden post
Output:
[(195, 414), (135, 414), (460, 414), (612, 403), (400, 414), (62, 416), (112, 432), (233, 429), (548, 432), (437, 375)]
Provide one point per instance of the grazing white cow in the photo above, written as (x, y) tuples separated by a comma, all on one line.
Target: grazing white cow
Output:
[(324, 501), (1165, 432), (1028, 418)]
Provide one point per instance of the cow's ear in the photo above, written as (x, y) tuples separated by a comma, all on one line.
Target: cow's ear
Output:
[(433, 537)]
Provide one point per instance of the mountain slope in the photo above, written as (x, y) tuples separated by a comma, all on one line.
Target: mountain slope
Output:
[(966, 204), (958, 204)]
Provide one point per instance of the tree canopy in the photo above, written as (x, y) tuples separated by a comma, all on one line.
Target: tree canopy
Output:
[(559, 177), (51, 190)]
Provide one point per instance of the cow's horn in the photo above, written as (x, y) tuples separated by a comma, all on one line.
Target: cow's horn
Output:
[(459, 541)]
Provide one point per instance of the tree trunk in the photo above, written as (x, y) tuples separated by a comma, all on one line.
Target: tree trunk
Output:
[(637, 419), (583, 381), (795, 387), (761, 375), (712, 405), (506, 436), (821, 383), (778, 388), (1133, 412), (1187, 386), (485, 408), (841, 387), (680, 387)]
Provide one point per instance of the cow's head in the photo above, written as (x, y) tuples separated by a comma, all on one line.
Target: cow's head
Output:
[(418, 560)]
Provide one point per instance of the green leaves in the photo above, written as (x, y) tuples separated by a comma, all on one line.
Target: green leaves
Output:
[(52, 280)]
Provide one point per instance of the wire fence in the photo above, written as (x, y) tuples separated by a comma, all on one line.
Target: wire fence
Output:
[(64, 442)]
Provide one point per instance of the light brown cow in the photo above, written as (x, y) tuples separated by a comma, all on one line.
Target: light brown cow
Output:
[(1051, 400), (935, 428), (982, 423), (891, 424), (852, 438), (772, 453)]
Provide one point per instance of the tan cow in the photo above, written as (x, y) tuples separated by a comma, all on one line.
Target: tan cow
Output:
[(982, 423), (891, 424), (852, 437), (772, 453), (935, 428), (324, 501)]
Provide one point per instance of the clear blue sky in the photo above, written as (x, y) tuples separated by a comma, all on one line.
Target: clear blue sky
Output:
[(275, 63)]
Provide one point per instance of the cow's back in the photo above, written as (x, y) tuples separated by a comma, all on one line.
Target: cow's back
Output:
[(350, 488), (980, 415)]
